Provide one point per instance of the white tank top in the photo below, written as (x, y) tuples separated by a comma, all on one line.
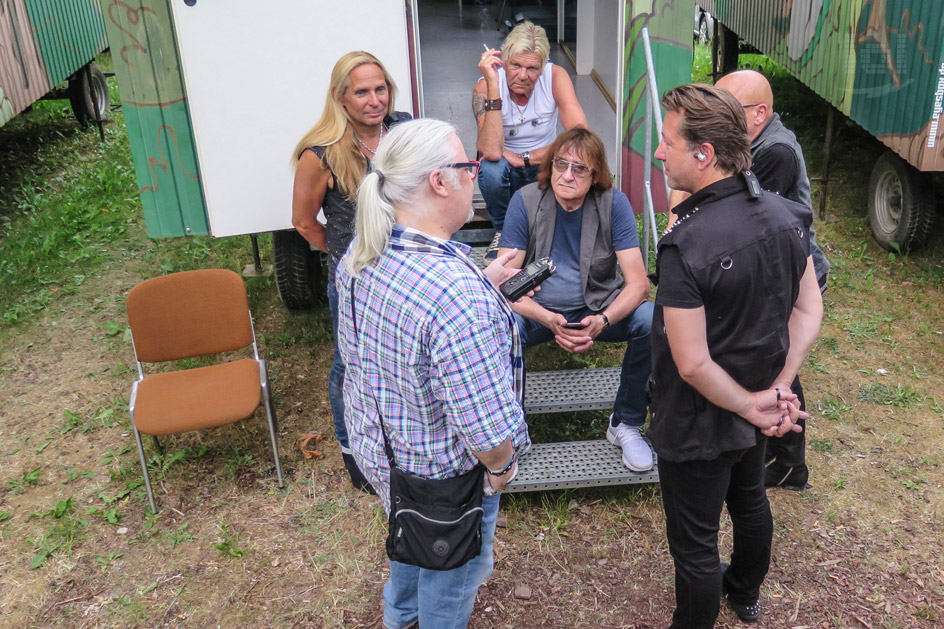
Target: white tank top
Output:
[(534, 125)]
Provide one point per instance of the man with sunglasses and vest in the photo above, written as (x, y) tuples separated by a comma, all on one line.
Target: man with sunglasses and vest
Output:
[(599, 290)]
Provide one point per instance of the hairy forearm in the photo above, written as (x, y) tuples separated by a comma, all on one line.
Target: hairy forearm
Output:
[(490, 141), (804, 329), (626, 302), (713, 382), (532, 310), (803, 325), (314, 232), (496, 458)]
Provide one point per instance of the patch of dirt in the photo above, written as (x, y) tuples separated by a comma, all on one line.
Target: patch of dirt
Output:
[(859, 549)]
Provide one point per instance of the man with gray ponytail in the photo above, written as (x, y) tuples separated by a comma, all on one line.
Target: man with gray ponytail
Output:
[(434, 363)]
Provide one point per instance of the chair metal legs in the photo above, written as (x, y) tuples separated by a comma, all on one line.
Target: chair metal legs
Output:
[(137, 439), (144, 469), (270, 412)]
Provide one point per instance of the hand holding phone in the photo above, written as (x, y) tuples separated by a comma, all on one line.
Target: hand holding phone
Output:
[(574, 326)]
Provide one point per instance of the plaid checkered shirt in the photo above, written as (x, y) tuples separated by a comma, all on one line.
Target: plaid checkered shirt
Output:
[(432, 347)]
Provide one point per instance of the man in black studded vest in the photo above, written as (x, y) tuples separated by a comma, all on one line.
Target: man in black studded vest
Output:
[(599, 290), (781, 168), (737, 310)]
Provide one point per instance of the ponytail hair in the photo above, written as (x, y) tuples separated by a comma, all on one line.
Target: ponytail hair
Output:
[(405, 158)]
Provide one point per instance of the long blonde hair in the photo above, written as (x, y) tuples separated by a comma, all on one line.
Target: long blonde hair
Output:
[(334, 129)]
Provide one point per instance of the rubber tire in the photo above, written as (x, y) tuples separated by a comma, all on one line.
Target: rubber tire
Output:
[(724, 52), (85, 89), (704, 30), (300, 273), (901, 203)]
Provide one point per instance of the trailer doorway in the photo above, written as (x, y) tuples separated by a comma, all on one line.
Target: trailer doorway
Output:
[(451, 39)]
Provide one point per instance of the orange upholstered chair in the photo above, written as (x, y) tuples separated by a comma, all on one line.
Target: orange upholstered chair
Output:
[(187, 315)]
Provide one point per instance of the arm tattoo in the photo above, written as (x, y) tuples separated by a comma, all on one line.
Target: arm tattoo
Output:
[(478, 104)]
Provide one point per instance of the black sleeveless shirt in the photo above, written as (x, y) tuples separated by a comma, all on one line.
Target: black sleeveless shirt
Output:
[(338, 209)]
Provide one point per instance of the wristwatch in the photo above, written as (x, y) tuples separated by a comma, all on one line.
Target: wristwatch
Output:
[(526, 156), (606, 320), (494, 104)]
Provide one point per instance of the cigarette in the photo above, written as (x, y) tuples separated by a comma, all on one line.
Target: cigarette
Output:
[(485, 46)]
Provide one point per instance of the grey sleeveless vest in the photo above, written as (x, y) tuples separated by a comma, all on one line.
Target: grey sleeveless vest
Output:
[(598, 266)]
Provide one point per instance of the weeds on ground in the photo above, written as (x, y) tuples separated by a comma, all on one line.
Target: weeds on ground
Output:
[(901, 396), (66, 529), (18, 484), (229, 543)]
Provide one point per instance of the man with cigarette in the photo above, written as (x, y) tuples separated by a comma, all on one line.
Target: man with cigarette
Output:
[(517, 104)]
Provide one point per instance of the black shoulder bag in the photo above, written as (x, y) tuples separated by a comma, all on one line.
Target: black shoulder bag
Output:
[(433, 524)]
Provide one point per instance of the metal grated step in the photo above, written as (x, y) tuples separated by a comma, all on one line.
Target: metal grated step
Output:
[(570, 390), (575, 464), (572, 463), (478, 256)]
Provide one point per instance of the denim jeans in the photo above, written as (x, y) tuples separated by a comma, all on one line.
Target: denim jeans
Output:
[(336, 377), (498, 181), (440, 598), (631, 397), (693, 493)]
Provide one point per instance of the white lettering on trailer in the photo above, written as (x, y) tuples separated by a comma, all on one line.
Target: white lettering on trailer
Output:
[(936, 109)]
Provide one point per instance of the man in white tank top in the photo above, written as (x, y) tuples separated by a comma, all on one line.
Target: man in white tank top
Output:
[(516, 104)]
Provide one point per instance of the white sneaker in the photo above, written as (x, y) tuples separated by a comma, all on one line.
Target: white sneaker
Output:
[(637, 455)]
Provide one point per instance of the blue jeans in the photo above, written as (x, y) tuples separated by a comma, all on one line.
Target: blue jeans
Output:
[(440, 598), (336, 377), (498, 181), (631, 397)]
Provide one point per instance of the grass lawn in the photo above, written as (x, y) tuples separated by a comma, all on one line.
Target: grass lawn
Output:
[(228, 548)]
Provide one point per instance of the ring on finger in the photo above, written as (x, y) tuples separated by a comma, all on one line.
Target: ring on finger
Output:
[(780, 423)]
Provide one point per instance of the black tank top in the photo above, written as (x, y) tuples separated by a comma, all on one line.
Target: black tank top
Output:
[(338, 210)]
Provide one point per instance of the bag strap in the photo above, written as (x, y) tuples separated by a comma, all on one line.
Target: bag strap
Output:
[(387, 449)]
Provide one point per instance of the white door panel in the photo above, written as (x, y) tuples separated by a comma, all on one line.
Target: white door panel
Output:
[(257, 75)]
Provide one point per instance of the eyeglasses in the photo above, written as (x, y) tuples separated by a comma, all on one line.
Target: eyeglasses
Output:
[(580, 170), (472, 167), (749, 106)]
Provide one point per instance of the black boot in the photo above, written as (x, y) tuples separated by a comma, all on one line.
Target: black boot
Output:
[(357, 477), (794, 478)]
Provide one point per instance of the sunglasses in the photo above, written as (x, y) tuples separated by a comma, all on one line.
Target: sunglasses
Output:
[(472, 167), (580, 170)]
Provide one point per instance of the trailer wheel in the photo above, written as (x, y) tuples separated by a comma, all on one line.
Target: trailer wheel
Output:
[(724, 51), (901, 204), (299, 272), (704, 29), (88, 89)]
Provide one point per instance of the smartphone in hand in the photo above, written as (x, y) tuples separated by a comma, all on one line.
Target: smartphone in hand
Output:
[(574, 326)]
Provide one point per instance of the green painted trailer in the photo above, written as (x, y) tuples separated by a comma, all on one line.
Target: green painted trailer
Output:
[(154, 104), (880, 63), (44, 43)]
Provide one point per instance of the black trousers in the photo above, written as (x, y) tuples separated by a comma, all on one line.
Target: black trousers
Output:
[(788, 452), (693, 494)]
